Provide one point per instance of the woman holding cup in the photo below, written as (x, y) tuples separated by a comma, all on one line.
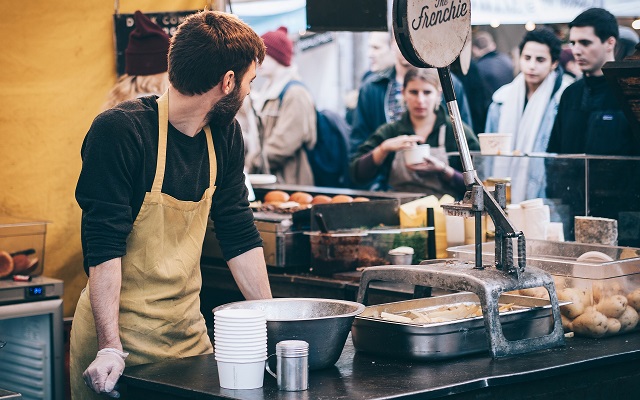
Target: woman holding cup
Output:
[(410, 155)]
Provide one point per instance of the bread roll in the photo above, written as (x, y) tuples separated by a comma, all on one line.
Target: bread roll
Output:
[(276, 197), (342, 198), (301, 198), (321, 199), (360, 199)]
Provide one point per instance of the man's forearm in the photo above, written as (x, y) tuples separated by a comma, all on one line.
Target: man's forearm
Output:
[(104, 288), (250, 273)]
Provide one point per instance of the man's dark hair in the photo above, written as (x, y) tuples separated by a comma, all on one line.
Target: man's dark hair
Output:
[(604, 24), (207, 45), (544, 36), (482, 39)]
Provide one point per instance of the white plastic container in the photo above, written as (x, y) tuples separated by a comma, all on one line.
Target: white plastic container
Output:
[(495, 143), (416, 154)]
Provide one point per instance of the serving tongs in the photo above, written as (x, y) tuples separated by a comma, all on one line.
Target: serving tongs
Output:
[(438, 44)]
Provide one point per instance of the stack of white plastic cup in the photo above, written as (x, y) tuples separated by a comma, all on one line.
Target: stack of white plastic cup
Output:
[(240, 341)]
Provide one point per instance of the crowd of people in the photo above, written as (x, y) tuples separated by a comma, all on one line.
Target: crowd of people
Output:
[(557, 102), (526, 98)]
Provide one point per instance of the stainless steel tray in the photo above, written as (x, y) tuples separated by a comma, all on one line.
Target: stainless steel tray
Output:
[(446, 339)]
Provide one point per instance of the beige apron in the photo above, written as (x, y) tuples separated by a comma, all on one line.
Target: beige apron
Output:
[(159, 300), (402, 179)]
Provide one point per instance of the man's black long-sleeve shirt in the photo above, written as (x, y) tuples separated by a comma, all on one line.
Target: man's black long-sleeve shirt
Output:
[(119, 156)]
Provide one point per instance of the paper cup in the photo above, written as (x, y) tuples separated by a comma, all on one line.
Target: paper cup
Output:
[(555, 232), (241, 344), (416, 154), (241, 348), (240, 338), (235, 375), (231, 355), (242, 360), (495, 143), (239, 313)]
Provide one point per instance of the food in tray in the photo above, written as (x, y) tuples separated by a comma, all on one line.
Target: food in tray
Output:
[(276, 197), (321, 199), (17, 263), (301, 198), (342, 198), (6, 264), (603, 309), (446, 313), (282, 202)]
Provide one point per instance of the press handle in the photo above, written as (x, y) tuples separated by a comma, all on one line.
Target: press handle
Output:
[(413, 275)]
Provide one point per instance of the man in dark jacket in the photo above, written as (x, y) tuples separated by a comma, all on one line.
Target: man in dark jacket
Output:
[(495, 68), (590, 119)]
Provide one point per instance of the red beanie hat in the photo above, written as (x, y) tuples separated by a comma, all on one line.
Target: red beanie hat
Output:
[(279, 46), (146, 53)]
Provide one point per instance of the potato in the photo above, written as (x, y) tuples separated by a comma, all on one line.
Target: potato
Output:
[(567, 324), (634, 299), (614, 326), (602, 290), (539, 292), (628, 319), (576, 307), (612, 306), (591, 323)]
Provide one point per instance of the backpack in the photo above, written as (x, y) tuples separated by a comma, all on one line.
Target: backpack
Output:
[(329, 158)]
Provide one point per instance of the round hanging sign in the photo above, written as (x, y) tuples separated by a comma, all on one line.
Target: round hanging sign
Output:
[(431, 33)]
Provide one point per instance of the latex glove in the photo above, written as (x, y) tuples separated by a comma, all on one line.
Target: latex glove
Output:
[(103, 373)]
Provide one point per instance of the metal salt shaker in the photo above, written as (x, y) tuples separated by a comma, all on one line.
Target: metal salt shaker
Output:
[(293, 365)]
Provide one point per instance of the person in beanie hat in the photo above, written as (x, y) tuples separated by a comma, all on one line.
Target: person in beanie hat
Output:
[(279, 46), (145, 63), (154, 171), (287, 115)]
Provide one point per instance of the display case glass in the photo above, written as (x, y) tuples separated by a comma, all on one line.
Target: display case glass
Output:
[(573, 185)]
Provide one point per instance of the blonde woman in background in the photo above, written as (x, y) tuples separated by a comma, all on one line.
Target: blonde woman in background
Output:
[(145, 63), (381, 158)]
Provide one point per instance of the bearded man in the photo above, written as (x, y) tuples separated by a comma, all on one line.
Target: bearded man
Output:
[(154, 170)]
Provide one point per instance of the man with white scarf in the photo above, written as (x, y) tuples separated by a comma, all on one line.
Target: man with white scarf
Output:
[(527, 108)]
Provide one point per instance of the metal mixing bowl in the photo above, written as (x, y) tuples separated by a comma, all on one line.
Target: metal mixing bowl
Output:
[(323, 323)]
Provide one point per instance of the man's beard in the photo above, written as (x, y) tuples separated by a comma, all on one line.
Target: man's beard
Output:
[(225, 110)]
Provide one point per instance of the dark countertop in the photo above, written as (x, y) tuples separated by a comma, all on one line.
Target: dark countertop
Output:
[(583, 369)]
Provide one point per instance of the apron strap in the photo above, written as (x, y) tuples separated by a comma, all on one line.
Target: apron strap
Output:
[(442, 135), (163, 126), (213, 161)]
